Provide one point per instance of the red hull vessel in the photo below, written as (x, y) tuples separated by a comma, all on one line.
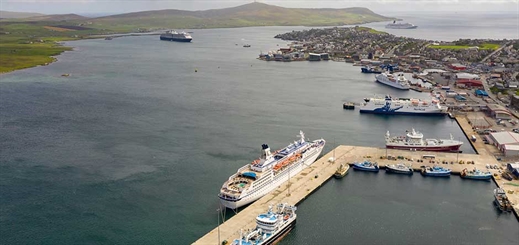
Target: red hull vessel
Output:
[(454, 148), (413, 141)]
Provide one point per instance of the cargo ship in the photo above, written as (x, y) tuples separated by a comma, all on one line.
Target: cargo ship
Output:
[(389, 105), (413, 140), (176, 36)]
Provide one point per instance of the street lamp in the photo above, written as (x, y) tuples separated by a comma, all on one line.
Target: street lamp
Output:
[(218, 210)]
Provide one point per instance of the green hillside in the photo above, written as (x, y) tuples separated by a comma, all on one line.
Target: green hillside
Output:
[(253, 14), (30, 41)]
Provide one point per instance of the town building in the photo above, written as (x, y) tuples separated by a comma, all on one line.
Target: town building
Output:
[(499, 112)]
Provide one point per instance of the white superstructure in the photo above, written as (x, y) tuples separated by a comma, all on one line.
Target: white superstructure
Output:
[(395, 25), (263, 175), (399, 82), (390, 105)]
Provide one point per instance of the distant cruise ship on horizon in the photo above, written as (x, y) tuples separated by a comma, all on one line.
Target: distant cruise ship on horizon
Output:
[(176, 36), (256, 179), (395, 25)]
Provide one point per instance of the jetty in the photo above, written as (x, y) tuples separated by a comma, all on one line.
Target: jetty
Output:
[(300, 186)]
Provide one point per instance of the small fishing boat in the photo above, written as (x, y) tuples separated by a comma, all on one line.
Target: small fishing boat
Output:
[(341, 171), (475, 174), (501, 200), (348, 106), (399, 168), (366, 166), (436, 171), (246, 46)]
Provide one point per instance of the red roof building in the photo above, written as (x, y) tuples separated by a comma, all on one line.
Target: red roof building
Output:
[(470, 82), (457, 66)]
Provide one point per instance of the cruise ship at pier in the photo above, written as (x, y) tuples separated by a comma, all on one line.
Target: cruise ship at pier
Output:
[(176, 36), (263, 175), (389, 105), (414, 141), (400, 82)]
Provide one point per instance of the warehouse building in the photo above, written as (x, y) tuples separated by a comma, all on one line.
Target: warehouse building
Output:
[(506, 142)]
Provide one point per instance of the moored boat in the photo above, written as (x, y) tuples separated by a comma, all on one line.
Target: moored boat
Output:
[(413, 140), (256, 179), (176, 36), (501, 200), (399, 168), (369, 69), (436, 171), (400, 82), (402, 106), (341, 171), (366, 166), (475, 174), (270, 226)]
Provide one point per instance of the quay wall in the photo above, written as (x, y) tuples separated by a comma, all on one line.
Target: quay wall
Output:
[(314, 176)]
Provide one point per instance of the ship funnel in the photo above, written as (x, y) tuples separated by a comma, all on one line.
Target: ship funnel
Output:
[(302, 135), (265, 151)]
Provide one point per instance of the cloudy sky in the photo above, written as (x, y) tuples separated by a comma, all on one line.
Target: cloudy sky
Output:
[(379, 6)]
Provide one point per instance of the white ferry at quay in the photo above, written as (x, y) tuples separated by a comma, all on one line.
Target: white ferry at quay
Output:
[(265, 174), (389, 105)]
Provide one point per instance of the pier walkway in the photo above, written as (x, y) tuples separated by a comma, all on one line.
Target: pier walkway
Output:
[(311, 178)]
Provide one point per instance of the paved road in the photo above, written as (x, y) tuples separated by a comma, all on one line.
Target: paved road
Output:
[(497, 50)]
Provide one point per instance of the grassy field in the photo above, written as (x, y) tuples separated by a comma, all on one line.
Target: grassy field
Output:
[(29, 44), (484, 46)]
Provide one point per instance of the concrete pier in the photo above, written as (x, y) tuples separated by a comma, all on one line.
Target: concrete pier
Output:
[(310, 179)]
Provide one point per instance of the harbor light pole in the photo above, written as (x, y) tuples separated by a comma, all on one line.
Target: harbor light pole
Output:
[(458, 153), (218, 210)]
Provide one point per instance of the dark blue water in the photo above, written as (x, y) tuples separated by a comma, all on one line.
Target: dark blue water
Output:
[(134, 146)]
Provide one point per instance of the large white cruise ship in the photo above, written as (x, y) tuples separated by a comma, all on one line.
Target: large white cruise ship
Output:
[(390, 105), (400, 82), (263, 175), (395, 25)]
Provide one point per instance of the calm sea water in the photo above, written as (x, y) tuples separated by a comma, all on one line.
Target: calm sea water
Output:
[(134, 146)]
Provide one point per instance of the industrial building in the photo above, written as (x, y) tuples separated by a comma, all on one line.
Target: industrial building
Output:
[(506, 142), (499, 112)]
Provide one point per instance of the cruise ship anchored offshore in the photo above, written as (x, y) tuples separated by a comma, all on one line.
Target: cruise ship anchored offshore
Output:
[(263, 175), (400, 82), (389, 105), (176, 36), (414, 141), (395, 25)]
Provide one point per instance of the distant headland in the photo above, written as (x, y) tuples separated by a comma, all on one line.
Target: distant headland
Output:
[(30, 39)]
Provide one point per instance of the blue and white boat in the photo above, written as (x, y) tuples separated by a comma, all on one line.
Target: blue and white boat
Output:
[(366, 166), (475, 174), (402, 106), (399, 168), (369, 69), (436, 171), (270, 226)]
